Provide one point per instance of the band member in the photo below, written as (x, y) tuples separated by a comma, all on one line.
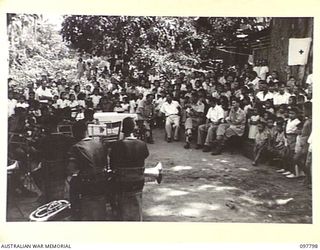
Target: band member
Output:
[(52, 150), (127, 158), (88, 186)]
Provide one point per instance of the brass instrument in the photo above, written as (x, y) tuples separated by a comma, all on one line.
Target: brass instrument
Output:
[(51, 211), (60, 209), (155, 172)]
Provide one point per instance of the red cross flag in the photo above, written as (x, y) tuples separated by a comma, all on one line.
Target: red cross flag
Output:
[(298, 51)]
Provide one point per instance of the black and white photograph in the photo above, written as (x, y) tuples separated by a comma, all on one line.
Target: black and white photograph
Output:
[(159, 118)]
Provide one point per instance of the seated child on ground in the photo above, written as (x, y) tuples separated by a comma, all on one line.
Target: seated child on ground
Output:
[(261, 142)]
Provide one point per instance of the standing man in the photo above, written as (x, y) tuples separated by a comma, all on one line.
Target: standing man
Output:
[(214, 116), (195, 114), (171, 109), (81, 67), (88, 186), (127, 158), (234, 127)]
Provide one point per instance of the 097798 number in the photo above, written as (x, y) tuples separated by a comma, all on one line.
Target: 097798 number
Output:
[(308, 245)]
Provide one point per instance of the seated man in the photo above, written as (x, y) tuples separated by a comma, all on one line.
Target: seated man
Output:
[(214, 116), (194, 111), (171, 109), (146, 114), (235, 126), (127, 158)]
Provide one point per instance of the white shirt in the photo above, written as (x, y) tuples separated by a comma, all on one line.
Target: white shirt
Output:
[(132, 106), (309, 79), (95, 100), (43, 92), (263, 72), (310, 143), (170, 109), (125, 106), (22, 105), (254, 82), (82, 103), (63, 103), (291, 127), (159, 102), (11, 106), (138, 101), (260, 95), (215, 114), (279, 99), (73, 104), (257, 69)]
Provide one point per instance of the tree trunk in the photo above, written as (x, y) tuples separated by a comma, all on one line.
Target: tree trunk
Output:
[(282, 30)]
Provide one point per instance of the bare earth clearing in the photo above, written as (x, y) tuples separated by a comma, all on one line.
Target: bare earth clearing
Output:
[(204, 188)]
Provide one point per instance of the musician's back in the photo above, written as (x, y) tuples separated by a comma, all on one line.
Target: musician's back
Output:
[(128, 153)]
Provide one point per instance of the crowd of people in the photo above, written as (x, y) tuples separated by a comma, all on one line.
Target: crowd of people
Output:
[(206, 107)]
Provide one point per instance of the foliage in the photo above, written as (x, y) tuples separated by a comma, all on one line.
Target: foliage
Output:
[(224, 30), (166, 43), (104, 35), (35, 48)]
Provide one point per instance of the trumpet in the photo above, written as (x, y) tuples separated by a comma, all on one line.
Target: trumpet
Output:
[(51, 211), (155, 172)]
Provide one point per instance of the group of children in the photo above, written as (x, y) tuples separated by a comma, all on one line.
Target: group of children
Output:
[(286, 141)]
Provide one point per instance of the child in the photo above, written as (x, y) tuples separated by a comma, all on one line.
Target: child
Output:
[(73, 104), (118, 108), (63, 102), (261, 142), (95, 97), (253, 122), (132, 104), (125, 104), (270, 127), (246, 103), (292, 101), (55, 99), (301, 148), (81, 100), (281, 110), (277, 148), (22, 103), (291, 130), (269, 106), (140, 98)]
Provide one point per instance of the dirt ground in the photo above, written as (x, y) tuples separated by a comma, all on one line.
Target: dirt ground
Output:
[(200, 187)]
